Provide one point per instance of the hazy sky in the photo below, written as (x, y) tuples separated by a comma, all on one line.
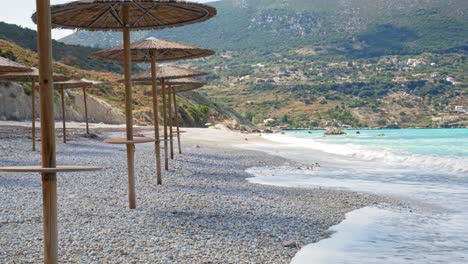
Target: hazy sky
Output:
[(19, 12)]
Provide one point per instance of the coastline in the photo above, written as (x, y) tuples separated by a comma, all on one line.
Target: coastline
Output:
[(205, 211), (431, 225)]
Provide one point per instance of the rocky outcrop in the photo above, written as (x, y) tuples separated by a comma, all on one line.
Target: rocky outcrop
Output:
[(98, 110), (334, 131), (15, 104)]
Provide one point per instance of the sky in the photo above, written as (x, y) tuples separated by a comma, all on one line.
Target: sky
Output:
[(19, 12)]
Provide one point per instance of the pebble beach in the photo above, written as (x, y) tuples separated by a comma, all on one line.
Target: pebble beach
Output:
[(205, 211)]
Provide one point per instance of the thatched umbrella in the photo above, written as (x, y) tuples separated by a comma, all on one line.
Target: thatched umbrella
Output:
[(31, 76), (165, 74), (73, 84), (7, 65), (178, 87), (48, 168), (168, 72), (162, 50), (126, 15), (186, 84), (182, 85), (154, 50)]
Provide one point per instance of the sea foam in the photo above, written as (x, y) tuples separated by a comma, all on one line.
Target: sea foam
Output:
[(388, 156)]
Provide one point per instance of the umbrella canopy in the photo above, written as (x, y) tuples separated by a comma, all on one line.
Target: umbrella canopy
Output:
[(28, 76), (183, 81), (167, 72), (107, 15), (175, 82), (7, 65), (163, 50), (184, 85), (188, 87), (76, 84)]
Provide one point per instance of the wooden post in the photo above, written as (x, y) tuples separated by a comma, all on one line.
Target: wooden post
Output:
[(62, 95), (171, 142), (33, 113), (128, 109), (85, 110), (157, 140), (166, 157), (176, 119), (49, 180)]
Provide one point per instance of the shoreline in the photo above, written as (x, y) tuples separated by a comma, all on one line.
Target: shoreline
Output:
[(434, 212), (206, 210)]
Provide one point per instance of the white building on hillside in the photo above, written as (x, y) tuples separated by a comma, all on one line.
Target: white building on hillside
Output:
[(460, 109)]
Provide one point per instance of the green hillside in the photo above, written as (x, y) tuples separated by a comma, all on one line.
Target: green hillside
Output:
[(195, 110), (331, 62), (357, 28), (73, 55)]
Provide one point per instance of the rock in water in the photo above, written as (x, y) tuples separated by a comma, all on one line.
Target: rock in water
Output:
[(334, 131)]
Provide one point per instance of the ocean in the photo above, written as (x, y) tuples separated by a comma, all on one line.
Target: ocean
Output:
[(428, 167)]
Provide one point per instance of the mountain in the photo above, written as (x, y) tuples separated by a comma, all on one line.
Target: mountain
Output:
[(351, 27), (331, 62)]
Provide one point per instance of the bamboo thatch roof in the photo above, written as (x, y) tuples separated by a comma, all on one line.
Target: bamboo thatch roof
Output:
[(104, 15), (179, 88), (173, 82), (167, 72), (33, 75), (75, 84), (163, 50), (183, 81), (7, 65), (188, 87)]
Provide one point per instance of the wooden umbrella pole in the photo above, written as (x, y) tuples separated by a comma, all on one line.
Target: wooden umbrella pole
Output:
[(62, 95), (49, 180), (33, 113), (86, 110), (128, 109), (157, 140), (166, 157), (171, 142), (176, 119)]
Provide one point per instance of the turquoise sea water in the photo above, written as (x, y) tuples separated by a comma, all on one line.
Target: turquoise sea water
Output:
[(426, 166), (434, 142), (443, 150)]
